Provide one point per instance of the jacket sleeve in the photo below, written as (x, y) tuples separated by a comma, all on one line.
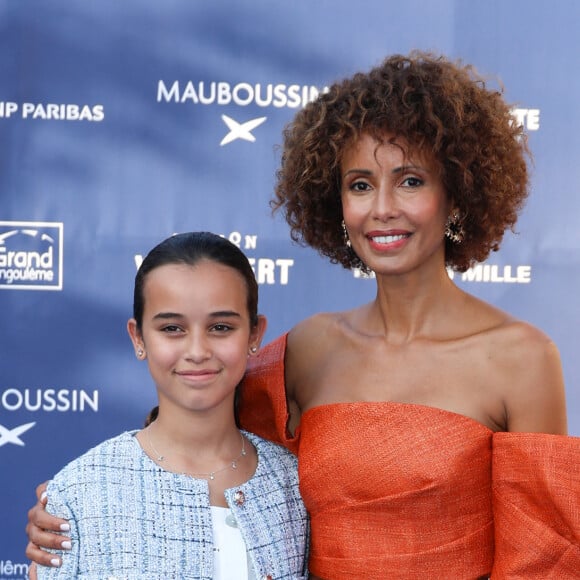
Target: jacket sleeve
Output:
[(263, 408), (536, 504)]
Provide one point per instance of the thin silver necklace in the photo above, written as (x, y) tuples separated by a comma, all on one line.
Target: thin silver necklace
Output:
[(233, 464)]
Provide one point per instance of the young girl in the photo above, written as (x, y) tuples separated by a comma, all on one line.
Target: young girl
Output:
[(189, 496)]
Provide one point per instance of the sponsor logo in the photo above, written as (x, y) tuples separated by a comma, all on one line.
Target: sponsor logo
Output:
[(240, 130), (491, 273), (49, 400), (52, 111), (44, 400), (13, 435), (241, 94), (495, 274), (31, 255)]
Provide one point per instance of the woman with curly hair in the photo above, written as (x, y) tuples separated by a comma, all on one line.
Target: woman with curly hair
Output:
[(430, 427)]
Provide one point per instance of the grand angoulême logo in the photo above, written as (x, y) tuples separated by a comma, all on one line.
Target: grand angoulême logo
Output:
[(31, 255)]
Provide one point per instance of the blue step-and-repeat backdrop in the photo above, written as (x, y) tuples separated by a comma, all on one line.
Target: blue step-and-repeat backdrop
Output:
[(122, 122)]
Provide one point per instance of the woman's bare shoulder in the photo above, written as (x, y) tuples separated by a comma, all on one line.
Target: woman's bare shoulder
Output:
[(529, 373), (306, 329), (515, 362), (311, 341), (309, 337), (514, 337)]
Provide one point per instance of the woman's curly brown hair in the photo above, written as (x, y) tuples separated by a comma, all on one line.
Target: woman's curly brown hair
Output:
[(433, 104)]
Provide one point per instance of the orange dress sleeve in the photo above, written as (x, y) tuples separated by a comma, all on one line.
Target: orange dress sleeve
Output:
[(262, 405), (536, 503)]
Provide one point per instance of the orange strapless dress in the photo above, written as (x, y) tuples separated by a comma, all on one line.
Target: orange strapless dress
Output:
[(403, 491)]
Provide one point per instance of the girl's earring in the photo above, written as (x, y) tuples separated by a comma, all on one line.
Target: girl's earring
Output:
[(140, 353), (345, 235), (454, 230), (253, 350)]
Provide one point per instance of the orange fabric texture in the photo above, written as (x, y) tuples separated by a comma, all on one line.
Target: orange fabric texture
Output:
[(536, 504), (406, 492), (262, 405), (397, 491)]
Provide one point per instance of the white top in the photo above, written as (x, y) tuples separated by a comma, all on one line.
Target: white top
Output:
[(231, 556)]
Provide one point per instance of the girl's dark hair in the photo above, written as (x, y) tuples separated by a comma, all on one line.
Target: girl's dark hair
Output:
[(191, 248)]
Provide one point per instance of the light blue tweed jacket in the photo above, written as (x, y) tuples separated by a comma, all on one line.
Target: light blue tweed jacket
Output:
[(131, 520)]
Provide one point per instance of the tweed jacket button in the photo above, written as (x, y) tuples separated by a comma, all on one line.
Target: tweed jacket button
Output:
[(239, 497), (267, 577)]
